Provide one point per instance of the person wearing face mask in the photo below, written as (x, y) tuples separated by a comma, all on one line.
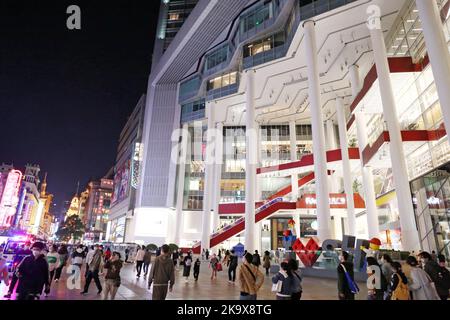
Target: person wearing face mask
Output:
[(436, 274), (21, 253), (33, 274), (112, 278), (345, 265)]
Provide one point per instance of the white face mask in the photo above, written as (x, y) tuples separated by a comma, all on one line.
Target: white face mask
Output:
[(79, 250)]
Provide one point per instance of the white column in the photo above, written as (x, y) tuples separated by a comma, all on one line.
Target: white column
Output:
[(181, 182), (296, 218), (218, 174), (438, 53), (293, 141), (354, 79), (346, 170), (320, 162), (250, 163), (259, 155), (367, 177), (410, 235), (332, 145), (258, 191), (209, 179)]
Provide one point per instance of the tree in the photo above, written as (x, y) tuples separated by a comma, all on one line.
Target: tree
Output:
[(73, 227)]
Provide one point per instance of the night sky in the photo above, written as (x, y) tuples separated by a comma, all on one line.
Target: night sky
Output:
[(65, 95)]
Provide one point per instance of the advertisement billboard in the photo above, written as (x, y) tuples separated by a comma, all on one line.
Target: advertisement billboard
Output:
[(121, 183)]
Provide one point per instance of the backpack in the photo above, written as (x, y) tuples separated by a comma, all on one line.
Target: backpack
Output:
[(402, 290)]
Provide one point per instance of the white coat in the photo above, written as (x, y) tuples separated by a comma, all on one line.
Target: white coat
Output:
[(421, 285)]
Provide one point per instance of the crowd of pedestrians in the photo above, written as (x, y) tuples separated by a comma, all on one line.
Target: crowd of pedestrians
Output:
[(420, 277)]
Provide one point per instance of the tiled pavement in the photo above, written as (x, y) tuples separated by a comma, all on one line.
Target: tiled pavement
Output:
[(133, 288)]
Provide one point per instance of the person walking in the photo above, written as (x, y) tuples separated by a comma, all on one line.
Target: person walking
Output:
[(95, 267), (139, 260), (387, 270), (63, 257), (20, 254), (127, 253), (256, 259), (107, 254), (437, 274), (297, 290), (112, 277), (213, 265), (147, 261), (345, 267), (197, 269), (232, 267), (89, 256), (77, 260), (378, 279), (162, 275), (53, 262), (284, 282), (207, 254), (33, 274), (420, 283), (266, 262), (175, 256), (226, 259), (398, 288), (187, 266), (250, 279)]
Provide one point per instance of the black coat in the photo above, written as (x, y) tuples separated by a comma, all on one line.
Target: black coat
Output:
[(343, 287), (33, 275)]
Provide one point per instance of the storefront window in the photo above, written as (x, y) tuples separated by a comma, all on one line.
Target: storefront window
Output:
[(431, 199)]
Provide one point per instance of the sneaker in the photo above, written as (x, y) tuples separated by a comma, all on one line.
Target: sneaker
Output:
[(46, 295), (229, 281), (83, 293), (99, 292), (8, 295), (56, 280)]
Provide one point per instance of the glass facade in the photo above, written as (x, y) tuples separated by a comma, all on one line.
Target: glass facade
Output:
[(177, 13), (189, 88), (193, 111), (431, 199), (217, 57)]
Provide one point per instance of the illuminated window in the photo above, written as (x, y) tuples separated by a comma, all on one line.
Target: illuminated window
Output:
[(222, 81), (174, 16)]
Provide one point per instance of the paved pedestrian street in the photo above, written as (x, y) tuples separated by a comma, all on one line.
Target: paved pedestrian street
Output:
[(133, 288)]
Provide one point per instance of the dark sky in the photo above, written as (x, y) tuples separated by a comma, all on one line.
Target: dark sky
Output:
[(65, 95)]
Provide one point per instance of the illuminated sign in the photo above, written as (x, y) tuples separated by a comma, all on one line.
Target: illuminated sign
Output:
[(336, 200), (136, 164), (10, 197)]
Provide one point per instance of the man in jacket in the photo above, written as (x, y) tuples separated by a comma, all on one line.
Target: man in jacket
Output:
[(435, 272), (95, 266), (162, 275), (250, 279), (33, 274)]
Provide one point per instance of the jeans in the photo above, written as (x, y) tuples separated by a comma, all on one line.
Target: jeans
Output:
[(92, 275), (146, 268), (139, 267), (249, 297), (58, 272), (232, 270)]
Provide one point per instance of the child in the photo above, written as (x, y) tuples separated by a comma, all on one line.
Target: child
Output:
[(196, 269)]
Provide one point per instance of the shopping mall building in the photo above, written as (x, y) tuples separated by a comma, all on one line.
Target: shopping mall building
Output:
[(329, 112)]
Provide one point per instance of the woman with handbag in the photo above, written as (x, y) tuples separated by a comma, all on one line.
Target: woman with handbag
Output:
[(284, 283), (112, 278)]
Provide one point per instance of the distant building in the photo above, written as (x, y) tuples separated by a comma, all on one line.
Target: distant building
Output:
[(126, 175)]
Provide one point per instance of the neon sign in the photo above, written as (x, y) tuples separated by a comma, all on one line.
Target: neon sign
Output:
[(10, 197)]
